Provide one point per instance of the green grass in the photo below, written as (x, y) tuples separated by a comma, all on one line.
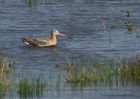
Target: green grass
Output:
[(95, 71), (29, 87), (98, 72), (130, 69), (33, 3), (6, 73)]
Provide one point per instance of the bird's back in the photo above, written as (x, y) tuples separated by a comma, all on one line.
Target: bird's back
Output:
[(35, 42)]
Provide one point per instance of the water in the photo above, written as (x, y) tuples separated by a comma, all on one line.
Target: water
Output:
[(87, 23)]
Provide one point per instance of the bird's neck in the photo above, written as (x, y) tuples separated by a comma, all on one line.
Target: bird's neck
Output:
[(53, 39)]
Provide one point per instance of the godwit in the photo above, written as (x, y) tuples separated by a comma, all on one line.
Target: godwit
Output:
[(52, 41)]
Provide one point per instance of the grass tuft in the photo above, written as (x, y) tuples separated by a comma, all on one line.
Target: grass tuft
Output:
[(34, 3), (5, 73), (92, 72), (31, 87), (98, 72), (130, 69)]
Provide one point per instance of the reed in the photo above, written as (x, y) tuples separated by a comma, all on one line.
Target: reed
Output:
[(130, 69), (33, 3), (98, 72), (95, 71), (31, 87), (6, 73), (30, 3)]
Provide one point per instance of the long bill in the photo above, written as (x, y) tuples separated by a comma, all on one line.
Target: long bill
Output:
[(61, 34)]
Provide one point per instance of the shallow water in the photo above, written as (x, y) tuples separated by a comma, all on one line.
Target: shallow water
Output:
[(87, 23)]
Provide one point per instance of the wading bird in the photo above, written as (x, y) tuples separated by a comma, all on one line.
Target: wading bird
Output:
[(52, 41)]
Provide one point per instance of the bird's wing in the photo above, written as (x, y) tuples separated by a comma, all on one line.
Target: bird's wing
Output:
[(41, 42), (35, 42)]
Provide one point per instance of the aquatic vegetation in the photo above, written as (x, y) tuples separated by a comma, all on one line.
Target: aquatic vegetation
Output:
[(33, 3), (30, 3), (98, 72), (128, 14), (130, 69), (29, 87), (93, 72), (130, 26), (5, 73)]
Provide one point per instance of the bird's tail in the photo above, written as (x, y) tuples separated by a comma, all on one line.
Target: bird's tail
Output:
[(28, 41), (24, 39)]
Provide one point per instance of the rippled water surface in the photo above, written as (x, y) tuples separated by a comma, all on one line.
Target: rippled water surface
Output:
[(95, 28)]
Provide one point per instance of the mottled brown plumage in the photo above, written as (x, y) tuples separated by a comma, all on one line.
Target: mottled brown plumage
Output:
[(52, 41)]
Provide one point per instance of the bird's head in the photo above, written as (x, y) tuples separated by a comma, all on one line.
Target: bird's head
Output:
[(56, 32)]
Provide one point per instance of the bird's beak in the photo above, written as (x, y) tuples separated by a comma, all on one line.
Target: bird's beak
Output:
[(61, 34)]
